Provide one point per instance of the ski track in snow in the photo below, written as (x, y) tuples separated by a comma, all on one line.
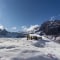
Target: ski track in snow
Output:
[(22, 49)]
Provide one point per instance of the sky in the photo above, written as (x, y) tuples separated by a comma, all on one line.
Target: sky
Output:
[(15, 14)]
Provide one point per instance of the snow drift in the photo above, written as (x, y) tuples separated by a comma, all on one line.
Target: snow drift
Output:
[(22, 49)]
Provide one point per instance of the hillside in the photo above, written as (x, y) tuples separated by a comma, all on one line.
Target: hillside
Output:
[(51, 27)]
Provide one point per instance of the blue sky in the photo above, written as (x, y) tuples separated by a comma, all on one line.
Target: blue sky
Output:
[(17, 13)]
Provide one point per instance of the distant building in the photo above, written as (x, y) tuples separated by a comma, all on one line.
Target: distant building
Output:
[(33, 36)]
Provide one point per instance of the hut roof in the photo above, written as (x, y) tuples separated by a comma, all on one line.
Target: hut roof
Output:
[(35, 35)]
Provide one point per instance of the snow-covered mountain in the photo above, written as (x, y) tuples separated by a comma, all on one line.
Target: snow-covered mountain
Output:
[(51, 27), (32, 29), (5, 33), (48, 28)]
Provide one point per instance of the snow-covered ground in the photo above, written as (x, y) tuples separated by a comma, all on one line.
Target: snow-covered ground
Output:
[(22, 49)]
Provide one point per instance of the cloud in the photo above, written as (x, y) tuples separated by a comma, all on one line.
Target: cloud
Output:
[(13, 28), (29, 29), (32, 27), (2, 27), (24, 28)]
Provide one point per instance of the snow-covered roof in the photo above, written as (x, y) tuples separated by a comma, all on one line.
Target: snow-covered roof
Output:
[(35, 35)]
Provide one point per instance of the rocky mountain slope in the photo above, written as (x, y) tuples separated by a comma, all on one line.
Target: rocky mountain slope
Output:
[(51, 27)]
